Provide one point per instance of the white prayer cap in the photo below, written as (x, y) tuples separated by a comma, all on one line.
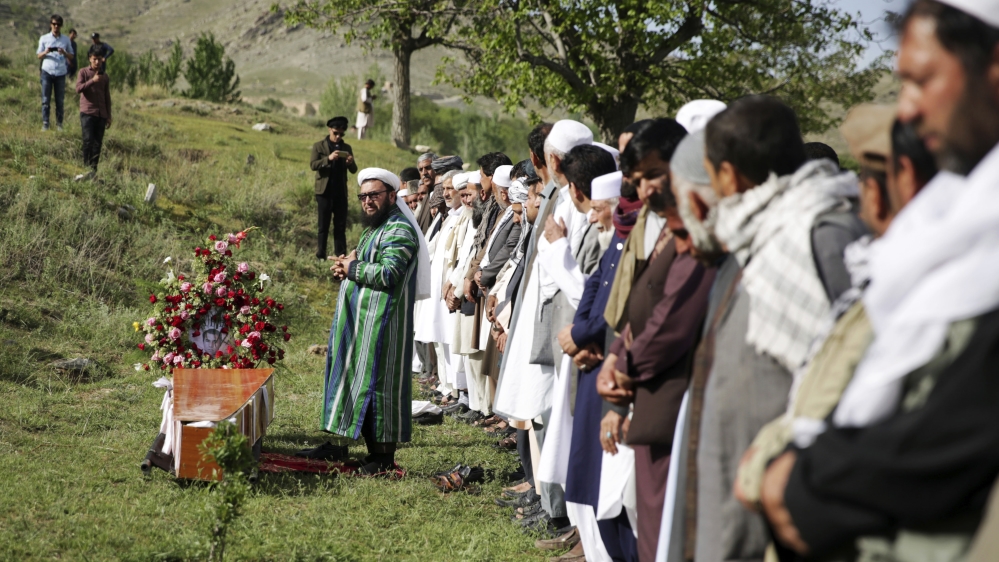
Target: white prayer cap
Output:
[(606, 186), (568, 134), (404, 192), (460, 181), (518, 192), (613, 152), (381, 174), (985, 10), (475, 177), (695, 115), (688, 159), (501, 176)]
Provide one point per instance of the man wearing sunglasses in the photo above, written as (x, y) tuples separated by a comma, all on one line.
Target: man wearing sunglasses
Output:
[(55, 51), (331, 160)]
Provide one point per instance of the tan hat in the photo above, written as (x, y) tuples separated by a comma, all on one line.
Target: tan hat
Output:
[(867, 130)]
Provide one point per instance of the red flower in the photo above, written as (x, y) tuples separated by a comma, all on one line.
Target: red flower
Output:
[(228, 253), (231, 294), (254, 301), (284, 328), (142, 346), (220, 301), (245, 328), (270, 301), (152, 299), (287, 336), (251, 275), (146, 367), (280, 307), (259, 326), (180, 277), (212, 238), (218, 354), (228, 349), (197, 333), (265, 311), (271, 360)]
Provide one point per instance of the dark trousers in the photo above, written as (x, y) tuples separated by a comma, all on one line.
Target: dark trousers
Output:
[(93, 127), (651, 470), (50, 83), (332, 206)]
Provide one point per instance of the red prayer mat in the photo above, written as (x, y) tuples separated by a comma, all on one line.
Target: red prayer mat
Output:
[(275, 462)]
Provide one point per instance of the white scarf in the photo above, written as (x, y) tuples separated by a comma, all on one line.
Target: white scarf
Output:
[(937, 264), (769, 230), (423, 254)]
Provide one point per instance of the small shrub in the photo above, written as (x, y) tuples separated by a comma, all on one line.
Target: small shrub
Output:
[(231, 451), (210, 74)]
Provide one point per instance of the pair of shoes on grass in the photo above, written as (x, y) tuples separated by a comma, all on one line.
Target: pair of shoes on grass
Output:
[(325, 452), (458, 478), (429, 418)]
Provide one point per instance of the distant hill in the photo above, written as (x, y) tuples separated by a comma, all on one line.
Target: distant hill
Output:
[(291, 64)]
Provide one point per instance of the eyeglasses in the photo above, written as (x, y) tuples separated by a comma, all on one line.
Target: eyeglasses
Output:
[(56, 24), (371, 194), (336, 133)]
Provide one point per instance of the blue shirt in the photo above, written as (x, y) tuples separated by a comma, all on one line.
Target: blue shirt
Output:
[(589, 325), (54, 63)]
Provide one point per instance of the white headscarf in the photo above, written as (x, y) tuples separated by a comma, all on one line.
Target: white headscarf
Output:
[(937, 264), (423, 258)]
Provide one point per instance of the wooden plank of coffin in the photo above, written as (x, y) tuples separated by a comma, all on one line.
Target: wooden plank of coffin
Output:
[(193, 464)]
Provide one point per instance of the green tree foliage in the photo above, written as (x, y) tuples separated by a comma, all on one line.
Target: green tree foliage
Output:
[(210, 74), (231, 451), (402, 26), (606, 59), (150, 70), (122, 71)]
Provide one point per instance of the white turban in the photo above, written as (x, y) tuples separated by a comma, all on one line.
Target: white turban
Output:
[(501, 176), (568, 134), (985, 10), (403, 192), (517, 192), (423, 257), (380, 174), (475, 177), (460, 181), (606, 186), (695, 115)]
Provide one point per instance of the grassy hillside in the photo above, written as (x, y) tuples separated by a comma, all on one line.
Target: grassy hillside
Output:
[(78, 260)]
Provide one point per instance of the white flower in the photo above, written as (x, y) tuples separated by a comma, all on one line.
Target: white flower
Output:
[(138, 366), (265, 277), (167, 260)]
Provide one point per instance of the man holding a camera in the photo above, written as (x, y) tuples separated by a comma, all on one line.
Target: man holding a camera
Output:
[(331, 160), (95, 107), (56, 52)]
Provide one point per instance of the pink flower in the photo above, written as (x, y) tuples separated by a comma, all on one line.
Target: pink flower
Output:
[(233, 239), (174, 333), (243, 267), (253, 336), (156, 356), (246, 343), (151, 322), (245, 310), (207, 288), (220, 277), (178, 360), (185, 287), (221, 246), (220, 291), (184, 315), (150, 339), (169, 357)]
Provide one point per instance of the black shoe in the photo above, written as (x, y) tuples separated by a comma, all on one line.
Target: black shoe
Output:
[(529, 498), (526, 512), (429, 418), (471, 416), (325, 452), (456, 409)]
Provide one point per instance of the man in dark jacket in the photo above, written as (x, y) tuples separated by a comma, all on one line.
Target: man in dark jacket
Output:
[(331, 160)]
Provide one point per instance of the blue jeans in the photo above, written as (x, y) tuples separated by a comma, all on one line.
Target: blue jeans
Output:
[(48, 82)]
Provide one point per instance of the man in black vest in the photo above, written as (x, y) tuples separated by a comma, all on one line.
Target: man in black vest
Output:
[(331, 160)]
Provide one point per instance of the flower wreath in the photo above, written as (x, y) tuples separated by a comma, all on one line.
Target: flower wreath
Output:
[(217, 319)]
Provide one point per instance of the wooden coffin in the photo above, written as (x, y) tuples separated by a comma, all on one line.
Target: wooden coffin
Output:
[(243, 396)]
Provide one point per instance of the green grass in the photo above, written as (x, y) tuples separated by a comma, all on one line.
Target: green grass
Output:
[(74, 275)]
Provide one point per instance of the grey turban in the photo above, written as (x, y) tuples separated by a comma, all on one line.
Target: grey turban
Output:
[(446, 163)]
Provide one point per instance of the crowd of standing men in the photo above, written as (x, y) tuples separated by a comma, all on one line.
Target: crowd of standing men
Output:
[(58, 58), (709, 343)]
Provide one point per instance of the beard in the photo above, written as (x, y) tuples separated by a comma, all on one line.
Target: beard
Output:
[(378, 217), (974, 128), (659, 202), (702, 236), (478, 210)]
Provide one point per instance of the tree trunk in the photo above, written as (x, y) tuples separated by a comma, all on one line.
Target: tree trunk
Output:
[(611, 118), (400, 96)]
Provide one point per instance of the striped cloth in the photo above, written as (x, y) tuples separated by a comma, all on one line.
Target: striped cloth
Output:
[(769, 230), (371, 339)]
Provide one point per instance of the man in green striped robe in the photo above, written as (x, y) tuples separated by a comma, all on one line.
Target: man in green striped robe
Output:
[(367, 385)]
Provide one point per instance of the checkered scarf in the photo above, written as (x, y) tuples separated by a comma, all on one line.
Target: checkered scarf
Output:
[(769, 230)]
